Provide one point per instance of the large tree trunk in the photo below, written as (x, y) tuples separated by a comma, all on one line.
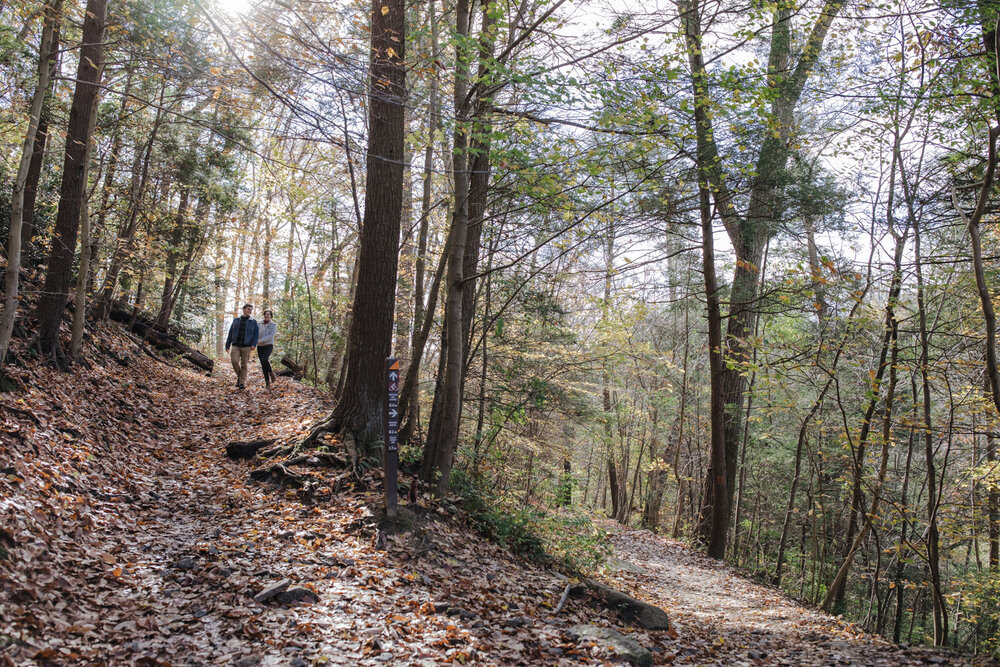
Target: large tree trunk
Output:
[(17, 208), (60, 266), (360, 411)]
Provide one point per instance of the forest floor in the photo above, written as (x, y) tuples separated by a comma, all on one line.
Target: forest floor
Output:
[(127, 537)]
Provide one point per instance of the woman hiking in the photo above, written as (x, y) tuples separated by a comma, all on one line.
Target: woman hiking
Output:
[(265, 346)]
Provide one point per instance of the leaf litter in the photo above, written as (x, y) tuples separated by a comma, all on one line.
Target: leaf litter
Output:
[(126, 537)]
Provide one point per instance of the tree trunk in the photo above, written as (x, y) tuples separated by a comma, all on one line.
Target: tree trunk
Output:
[(174, 245), (442, 441), (360, 411), (717, 496), (408, 392), (83, 273), (751, 232), (938, 604), (53, 18), (17, 208), (52, 302)]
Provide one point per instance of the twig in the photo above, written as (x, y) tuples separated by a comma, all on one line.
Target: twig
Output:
[(562, 600)]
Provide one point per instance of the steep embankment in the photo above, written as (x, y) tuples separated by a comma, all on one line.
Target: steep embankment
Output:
[(126, 537)]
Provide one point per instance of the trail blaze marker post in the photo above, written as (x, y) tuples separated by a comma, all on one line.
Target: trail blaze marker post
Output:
[(392, 437)]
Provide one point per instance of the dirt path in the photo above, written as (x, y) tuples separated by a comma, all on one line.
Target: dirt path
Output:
[(729, 620)]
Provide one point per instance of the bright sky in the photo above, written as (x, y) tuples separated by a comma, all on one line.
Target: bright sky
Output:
[(234, 6)]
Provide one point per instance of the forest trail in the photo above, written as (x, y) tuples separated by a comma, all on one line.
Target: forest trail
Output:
[(128, 538), (730, 620)]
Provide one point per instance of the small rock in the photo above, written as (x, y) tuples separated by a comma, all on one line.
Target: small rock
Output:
[(249, 661), (212, 551), (440, 607), (185, 564), (518, 622), (200, 613), (222, 571), (298, 662), (757, 655), (293, 595), (625, 647), (555, 651), (272, 591)]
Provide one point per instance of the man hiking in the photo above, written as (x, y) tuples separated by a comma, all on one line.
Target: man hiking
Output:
[(243, 335)]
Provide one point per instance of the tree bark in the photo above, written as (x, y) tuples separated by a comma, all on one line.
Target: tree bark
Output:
[(174, 245), (751, 232), (83, 273), (18, 205), (442, 441), (717, 495), (42, 133), (54, 292), (360, 411)]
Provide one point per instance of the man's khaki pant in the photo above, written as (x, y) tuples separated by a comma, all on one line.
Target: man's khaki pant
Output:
[(241, 359)]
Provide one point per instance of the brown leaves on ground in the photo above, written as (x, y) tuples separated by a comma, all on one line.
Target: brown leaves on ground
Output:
[(126, 537)]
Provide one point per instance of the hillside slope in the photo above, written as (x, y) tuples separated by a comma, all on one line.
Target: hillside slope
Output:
[(127, 537)]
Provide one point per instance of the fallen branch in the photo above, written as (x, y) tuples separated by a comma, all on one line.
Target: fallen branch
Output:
[(562, 600)]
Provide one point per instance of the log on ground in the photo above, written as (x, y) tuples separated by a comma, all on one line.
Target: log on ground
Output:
[(145, 327), (247, 450), (294, 371)]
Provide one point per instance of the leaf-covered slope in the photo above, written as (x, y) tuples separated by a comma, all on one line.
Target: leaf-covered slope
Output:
[(128, 537)]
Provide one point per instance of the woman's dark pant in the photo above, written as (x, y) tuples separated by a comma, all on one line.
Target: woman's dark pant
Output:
[(264, 354)]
